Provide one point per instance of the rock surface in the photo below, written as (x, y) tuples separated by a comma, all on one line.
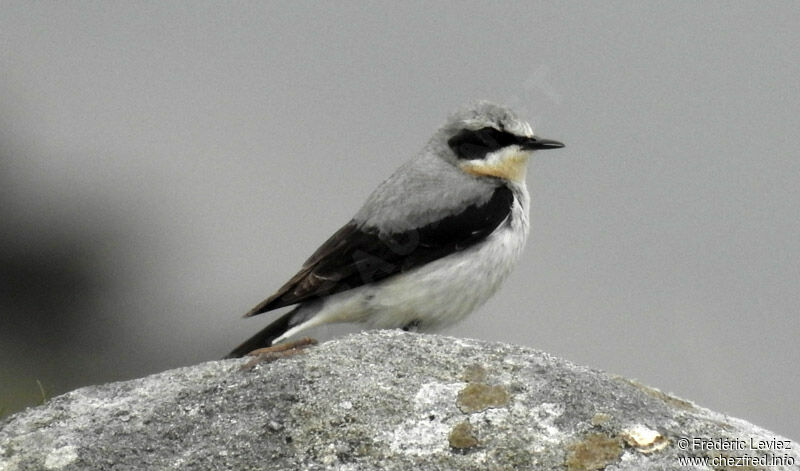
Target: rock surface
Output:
[(385, 400)]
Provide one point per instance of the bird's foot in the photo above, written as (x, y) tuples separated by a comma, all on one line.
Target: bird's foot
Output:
[(275, 352)]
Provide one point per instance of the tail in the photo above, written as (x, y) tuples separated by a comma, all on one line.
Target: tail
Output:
[(265, 337)]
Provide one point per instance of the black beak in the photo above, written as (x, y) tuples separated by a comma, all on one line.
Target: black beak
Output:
[(534, 143)]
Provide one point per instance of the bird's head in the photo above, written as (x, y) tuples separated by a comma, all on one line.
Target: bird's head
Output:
[(488, 140)]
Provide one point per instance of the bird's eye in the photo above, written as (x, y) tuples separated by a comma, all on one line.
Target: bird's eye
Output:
[(475, 144)]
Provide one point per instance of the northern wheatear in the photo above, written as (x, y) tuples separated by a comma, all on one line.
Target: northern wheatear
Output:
[(431, 243)]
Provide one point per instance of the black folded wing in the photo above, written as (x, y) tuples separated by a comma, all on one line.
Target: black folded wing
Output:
[(353, 257)]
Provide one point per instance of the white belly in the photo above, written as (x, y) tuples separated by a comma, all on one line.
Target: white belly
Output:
[(447, 290)]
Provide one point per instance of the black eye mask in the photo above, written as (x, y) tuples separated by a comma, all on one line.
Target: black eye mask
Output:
[(475, 144)]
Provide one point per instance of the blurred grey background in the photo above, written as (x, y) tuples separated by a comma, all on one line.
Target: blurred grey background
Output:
[(164, 167)]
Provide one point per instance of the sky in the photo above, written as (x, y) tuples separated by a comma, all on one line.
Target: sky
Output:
[(166, 166)]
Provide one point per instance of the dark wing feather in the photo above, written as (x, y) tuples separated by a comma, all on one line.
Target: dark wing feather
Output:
[(354, 256)]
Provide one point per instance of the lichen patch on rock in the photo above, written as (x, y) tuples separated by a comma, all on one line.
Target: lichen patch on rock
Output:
[(594, 451), (462, 437), (474, 374), (476, 397), (644, 439)]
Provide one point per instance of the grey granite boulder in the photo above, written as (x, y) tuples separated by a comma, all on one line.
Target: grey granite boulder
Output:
[(385, 400)]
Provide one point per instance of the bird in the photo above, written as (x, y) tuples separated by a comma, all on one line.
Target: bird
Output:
[(431, 243)]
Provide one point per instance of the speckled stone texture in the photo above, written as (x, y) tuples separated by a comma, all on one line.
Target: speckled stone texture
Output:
[(381, 400)]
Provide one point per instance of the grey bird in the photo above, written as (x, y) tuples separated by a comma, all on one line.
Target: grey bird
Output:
[(432, 243)]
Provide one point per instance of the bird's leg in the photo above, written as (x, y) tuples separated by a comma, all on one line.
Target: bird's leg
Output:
[(283, 347), (282, 350)]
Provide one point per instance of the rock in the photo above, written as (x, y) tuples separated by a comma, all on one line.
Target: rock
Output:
[(385, 400)]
